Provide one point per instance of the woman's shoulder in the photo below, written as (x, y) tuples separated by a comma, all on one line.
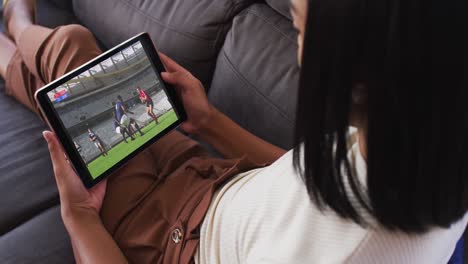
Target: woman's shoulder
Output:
[(275, 203)]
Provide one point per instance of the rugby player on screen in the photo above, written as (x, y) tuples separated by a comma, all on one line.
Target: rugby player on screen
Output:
[(97, 142), (120, 126), (77, 146), (146, 99), (121, 116)]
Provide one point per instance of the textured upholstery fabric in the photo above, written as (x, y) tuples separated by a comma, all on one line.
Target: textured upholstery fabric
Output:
[(25, 166), (256, 77), (62, 5), (31, 230), (281, 6), (190, 31), (55, 13), (42, 239)]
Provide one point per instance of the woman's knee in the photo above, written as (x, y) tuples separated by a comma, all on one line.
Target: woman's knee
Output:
[(68, 48), (75, 34)]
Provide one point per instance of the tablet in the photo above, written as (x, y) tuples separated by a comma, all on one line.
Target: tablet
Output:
[(111, 108)]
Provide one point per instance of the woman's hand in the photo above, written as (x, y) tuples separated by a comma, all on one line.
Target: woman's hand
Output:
[(75, 199), (213, 127), (192, 93)]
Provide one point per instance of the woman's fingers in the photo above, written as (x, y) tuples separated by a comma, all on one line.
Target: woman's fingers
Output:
[(180, 80), (100, 187), (170, 64), (59, 161), (62, 169)]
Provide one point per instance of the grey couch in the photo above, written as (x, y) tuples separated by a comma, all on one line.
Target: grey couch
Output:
[(244, 51)]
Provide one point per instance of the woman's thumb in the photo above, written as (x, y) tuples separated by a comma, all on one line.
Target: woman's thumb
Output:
[(58, 158)]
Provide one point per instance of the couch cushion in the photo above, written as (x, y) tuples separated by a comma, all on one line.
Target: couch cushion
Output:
[(31, 230), (256, 77), (281, 6), (52, 13), (63, 5), (27, 184), (190, 31), (42, 239)]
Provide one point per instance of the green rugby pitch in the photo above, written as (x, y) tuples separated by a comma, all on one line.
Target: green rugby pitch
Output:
[(121, 150)]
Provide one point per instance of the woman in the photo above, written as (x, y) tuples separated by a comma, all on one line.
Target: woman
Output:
[(398, 194)]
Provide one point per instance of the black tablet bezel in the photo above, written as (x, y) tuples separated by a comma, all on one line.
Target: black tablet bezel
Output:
[(57, 126)]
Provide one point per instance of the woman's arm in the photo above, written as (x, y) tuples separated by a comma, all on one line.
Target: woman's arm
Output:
[(75, 252), (91, 241), (233, 141), (212, 126), (80, 211)]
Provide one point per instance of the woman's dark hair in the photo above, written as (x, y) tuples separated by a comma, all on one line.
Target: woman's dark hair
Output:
[(412, 56)]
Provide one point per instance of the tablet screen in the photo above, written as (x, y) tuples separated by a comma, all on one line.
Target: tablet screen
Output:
[(113, 108)]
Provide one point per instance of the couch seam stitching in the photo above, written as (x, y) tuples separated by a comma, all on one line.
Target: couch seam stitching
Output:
[(164, 25), (265, 98), (276, 28), (32, 216)]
